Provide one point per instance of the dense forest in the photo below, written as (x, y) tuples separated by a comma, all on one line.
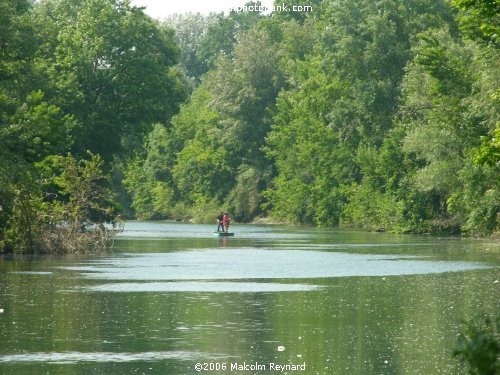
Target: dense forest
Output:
[(379, 114)]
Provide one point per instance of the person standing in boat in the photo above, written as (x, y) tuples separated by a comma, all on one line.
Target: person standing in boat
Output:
[(219, 222), (225, 222)]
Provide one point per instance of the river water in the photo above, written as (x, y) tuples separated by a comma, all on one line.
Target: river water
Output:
[(172, 297)]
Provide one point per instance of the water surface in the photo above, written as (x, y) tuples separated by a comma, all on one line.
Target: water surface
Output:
[(171, 295)]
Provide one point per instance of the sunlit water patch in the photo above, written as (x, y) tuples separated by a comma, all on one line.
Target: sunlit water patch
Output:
[(252, 263), (234, 287)]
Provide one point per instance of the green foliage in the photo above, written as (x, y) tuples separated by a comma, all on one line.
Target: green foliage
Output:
[(75, 213), (204, 212), (477, 204), (243, 92), (37, 129), (445, 118), (222, 35), (301, 142), (372, 209), (197, 113), (120, 61), (334, 117), (16, 36), (212, 150), (365, 113), (377, 114), (244, 199), (479, 19), (202, 170), (72, 72), (82, 185), (489, 151), (478, 346), (149, 179), (140, 189), (361, 139), (21, 206), (191, 30), (46, 207)]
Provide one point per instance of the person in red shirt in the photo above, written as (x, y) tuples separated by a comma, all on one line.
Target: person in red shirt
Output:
[(225, 222)]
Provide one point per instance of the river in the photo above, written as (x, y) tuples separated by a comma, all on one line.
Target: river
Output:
[(171, 297)]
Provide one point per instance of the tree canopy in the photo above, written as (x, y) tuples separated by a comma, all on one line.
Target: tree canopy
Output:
[(376, 114)]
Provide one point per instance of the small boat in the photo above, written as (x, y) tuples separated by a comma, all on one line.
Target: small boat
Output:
[(223, 234)]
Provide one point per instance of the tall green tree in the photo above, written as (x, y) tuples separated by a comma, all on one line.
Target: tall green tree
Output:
[(148, 177), (479, 19), (75, 75), (216, 139), (338, 108), (120, 60), (462, 80), (222, 35), (191, 30)]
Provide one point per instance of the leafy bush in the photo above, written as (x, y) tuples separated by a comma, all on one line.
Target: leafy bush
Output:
[(478, 346)]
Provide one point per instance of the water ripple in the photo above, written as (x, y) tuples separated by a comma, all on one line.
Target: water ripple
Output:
[(74, 357)]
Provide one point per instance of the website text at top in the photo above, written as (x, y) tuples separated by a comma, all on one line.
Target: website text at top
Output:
[(275, 8)]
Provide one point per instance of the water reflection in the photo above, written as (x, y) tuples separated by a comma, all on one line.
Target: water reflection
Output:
[(171, 295), (253, 263)]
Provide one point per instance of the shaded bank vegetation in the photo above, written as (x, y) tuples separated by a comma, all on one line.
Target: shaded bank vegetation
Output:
[(478, 346), (376, 114)]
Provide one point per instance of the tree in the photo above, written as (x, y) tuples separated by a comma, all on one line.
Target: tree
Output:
[(202, 172), (190, 33), (479, 19), (148, 178), (448, 111), (223, 34), (74, 219), (48, 206), (244, 90), (214, 143), (21, 204), (121, 61), (338, 109), (37, 130)]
